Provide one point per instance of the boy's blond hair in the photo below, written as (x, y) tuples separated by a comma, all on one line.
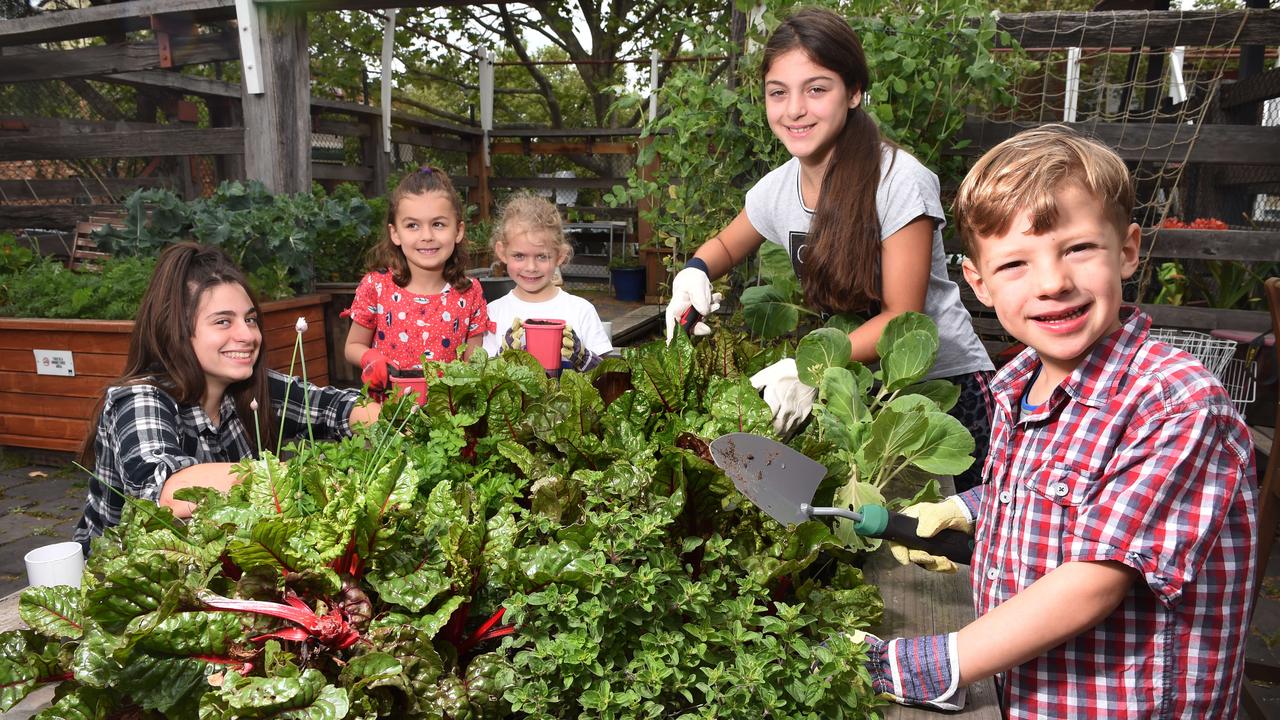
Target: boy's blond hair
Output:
[(525, 213), (1027, 171)]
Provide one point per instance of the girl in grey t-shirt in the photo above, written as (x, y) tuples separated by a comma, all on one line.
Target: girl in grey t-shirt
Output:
[(861, 219)]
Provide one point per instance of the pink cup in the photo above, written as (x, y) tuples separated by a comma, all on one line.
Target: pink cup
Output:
[(415, 385), (543, 339)]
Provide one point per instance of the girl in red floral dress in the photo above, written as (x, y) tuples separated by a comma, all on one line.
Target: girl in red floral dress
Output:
[(416, 304)]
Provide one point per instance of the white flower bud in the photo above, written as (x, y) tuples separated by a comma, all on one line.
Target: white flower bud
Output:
[(301, 325), (253, 404)]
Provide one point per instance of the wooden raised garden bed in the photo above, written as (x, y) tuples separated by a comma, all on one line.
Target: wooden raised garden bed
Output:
[(52, 412)]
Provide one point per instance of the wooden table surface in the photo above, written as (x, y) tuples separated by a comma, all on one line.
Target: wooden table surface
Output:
[(918, 602)]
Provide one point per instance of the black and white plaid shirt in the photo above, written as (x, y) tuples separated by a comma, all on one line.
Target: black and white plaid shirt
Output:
[(144, 436)]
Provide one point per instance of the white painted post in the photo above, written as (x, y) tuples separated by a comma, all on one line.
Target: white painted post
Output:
[(1072, 98), (388, 73), (486, 98), (653, 84), (250, 52), (1177, 85)]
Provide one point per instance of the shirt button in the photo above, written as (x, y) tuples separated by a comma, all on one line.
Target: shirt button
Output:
[(1006, 496), (1061, 489), (992, 573)]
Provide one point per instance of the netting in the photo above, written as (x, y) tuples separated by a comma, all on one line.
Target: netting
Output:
[(1133, 86)]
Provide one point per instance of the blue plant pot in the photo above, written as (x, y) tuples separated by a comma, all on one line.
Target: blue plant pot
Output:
[(628, 283)]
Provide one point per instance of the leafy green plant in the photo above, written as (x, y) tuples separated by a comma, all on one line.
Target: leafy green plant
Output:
[(14, 256), (887, 423), (272, 237), (48, 289), (351, 226), (518, 548)]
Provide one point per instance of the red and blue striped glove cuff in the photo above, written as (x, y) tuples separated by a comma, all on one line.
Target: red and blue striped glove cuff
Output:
[(919, 670)]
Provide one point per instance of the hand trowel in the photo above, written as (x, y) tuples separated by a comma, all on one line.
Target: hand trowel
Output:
[(781, 482)]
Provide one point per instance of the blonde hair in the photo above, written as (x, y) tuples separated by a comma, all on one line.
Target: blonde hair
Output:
[(525, 214), (1025, 173)]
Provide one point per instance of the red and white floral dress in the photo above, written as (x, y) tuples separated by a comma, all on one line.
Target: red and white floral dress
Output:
[(408, 327)]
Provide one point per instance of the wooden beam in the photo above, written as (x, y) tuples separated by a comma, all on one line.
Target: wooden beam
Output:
[(11, 126), (527, 132), (37, 65), (563, 148), (1206, 319), (431, 141), (1257, 178), (341, 173), (1147, 142), (21, 190), (185, 84), (557, 183), (1124, 28), (54, 217), (344, 129), (148, 143), (1241, 245), (1263, 86), (111, 19), (277, 122), (316, 5), (351, 108)]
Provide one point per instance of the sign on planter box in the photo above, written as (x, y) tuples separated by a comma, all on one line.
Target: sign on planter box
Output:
[(54, 362)]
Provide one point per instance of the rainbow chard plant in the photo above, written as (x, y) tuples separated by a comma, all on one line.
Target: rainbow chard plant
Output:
[(521, 547)]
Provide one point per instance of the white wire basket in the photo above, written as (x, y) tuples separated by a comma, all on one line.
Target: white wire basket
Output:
[(1213, 353), (1241, 381)]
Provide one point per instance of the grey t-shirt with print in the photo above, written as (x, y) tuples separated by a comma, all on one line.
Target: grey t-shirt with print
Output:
[(907, 190)]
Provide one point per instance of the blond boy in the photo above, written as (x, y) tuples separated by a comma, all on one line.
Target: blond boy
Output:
[(1114, 533)]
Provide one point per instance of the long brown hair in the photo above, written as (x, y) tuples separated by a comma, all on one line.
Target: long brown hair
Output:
[(386, 254), (842, 257), (160, 350)]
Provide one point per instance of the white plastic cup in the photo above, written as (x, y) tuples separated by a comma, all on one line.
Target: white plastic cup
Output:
[(58, 564), (608, 328)]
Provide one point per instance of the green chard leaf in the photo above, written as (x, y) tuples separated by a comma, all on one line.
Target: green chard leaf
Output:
[(52, 611)]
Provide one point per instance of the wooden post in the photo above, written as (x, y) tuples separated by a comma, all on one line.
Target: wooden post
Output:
[(479, 195), (227, 112), (377, 160), (277, 138), (1238, 202)]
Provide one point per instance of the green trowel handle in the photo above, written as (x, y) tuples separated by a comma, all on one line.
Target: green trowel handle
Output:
[(876, 521), (901, 529)]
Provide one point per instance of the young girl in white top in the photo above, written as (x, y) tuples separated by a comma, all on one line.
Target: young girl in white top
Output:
[(860, 217), (529, 239)]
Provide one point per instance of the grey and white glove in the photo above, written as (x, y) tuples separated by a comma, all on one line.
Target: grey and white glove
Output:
[(691, 288), (790, 399)]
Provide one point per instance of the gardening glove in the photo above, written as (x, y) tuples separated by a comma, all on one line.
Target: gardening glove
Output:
[(932, 518), (374, 373), (915, 671), (514, 338), (691, 288), (788, 397), (573, 354)]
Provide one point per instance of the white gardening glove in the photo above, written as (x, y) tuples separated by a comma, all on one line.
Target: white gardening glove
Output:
[(691, 288), (932, 518), (788, 397)]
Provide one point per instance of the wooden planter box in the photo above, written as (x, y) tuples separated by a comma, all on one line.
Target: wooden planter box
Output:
[(51, 412), (341, 295)]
